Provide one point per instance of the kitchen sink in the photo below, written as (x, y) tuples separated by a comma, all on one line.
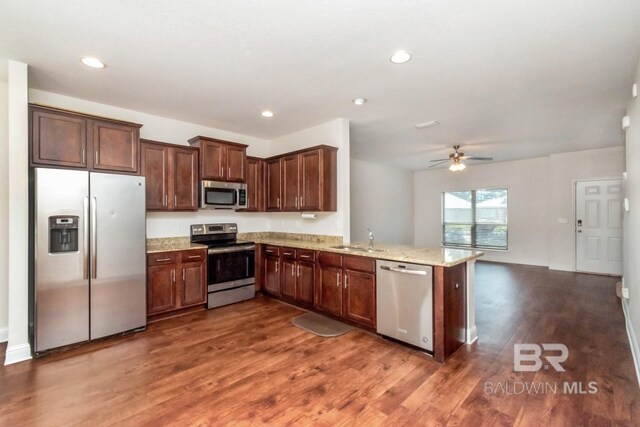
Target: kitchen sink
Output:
[(356, 248)]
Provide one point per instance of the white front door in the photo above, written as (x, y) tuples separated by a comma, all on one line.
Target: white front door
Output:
[(599, 226)]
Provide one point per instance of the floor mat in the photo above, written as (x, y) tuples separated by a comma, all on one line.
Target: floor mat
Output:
[(320, 325)]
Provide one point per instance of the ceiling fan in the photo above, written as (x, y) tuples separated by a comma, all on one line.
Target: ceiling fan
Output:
[(456, 159)]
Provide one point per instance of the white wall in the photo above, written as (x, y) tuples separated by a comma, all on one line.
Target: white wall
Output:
[(381, 199), (4, 209), (565, 169), (334, 133), (632, 227), (18, 348), (171, 224), (540, 193), (528, 185)]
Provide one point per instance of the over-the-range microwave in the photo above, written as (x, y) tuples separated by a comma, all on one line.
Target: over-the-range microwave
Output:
[(223, 195)]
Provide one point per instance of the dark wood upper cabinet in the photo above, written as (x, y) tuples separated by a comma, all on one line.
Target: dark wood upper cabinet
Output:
[(66, 139), (290, 182), (185, 179), (221, 160), (255, 185), (236, 163), (304, 180), (154, 165), (171, 173), (58, 139), (273, 187), (115, 146)]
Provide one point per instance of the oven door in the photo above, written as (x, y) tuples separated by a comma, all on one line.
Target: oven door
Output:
[(230, 267)]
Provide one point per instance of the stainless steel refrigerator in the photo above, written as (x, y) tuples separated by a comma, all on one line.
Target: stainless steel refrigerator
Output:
[(89, 271)]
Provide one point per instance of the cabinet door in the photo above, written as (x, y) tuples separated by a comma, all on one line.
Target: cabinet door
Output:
[(290, 183), (115, 146), (185, 180), (161, 288), (273, 189), (272, 275), (306, 275), (236, 160), (58, 139), (255, 184), (288, 278), (329, 289), (154, 165), (360, 297), (310, 181), (213, 160), (193, 284)]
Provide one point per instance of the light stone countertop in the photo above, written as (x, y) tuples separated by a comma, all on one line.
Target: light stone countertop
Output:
[(445, 257), (170, 244)]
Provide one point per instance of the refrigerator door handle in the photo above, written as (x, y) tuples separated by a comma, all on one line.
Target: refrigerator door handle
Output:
[(85, 238), (94, 238)]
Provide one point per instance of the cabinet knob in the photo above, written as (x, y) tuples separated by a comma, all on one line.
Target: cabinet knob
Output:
[(457, 285)]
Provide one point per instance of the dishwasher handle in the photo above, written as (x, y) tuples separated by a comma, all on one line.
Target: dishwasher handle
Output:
[(404, 271)]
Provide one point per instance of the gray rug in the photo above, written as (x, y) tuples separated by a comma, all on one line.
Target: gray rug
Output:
[(320, 325)]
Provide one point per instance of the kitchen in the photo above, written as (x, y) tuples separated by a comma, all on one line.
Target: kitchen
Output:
[(334, 133)]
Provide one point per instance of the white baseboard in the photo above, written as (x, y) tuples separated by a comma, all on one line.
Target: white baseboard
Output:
[(472, 334), (4, 334), (633, 342), (17, 353)]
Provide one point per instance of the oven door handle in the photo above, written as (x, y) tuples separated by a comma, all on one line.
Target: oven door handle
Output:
[(233, 249)]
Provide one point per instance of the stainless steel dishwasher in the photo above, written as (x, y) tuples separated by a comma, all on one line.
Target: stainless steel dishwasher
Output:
[(405, 302)]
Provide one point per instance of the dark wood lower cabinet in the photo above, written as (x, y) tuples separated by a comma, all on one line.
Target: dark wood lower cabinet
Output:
[(360, 296), (176, 280), (271, 276), (344, 287), (288, 278), (161, 289), (305, 283), (329, 289)]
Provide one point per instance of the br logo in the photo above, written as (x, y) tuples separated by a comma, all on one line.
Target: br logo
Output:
[(528, 357)]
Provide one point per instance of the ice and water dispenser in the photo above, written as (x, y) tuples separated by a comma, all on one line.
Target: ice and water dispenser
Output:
[(63, 234)]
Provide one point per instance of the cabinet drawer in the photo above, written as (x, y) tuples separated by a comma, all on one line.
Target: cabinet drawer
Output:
[(328, 258), (288, 253), (368, 265), (161, 258), (193, 255), (272, 250), (306, 255)]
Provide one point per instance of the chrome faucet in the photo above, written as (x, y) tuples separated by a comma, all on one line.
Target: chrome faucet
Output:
[(370, 238)]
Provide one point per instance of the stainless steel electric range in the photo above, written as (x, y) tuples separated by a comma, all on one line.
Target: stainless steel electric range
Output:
[(230, 265)]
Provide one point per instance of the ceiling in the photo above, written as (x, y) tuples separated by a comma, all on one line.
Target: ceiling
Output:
[(507, 78)]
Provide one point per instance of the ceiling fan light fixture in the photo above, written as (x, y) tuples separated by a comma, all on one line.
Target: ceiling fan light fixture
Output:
[(457, 165)]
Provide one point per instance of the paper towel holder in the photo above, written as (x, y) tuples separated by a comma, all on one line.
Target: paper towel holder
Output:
[(309, 215)]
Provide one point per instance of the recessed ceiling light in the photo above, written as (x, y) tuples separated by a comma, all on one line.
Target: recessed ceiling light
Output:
[(92, 62), (400, 57), (267, 113), (359, 101), (427, 124)]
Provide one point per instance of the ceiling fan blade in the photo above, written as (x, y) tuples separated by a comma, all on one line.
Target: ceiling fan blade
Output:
[(440, 160), (476, 158), (438, 164)]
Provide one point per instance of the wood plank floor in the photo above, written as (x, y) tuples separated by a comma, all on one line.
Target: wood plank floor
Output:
[(246, 364)]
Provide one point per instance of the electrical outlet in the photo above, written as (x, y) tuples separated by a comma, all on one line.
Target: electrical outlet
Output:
[(625, 293)]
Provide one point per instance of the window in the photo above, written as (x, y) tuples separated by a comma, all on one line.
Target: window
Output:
[(475, 218)]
